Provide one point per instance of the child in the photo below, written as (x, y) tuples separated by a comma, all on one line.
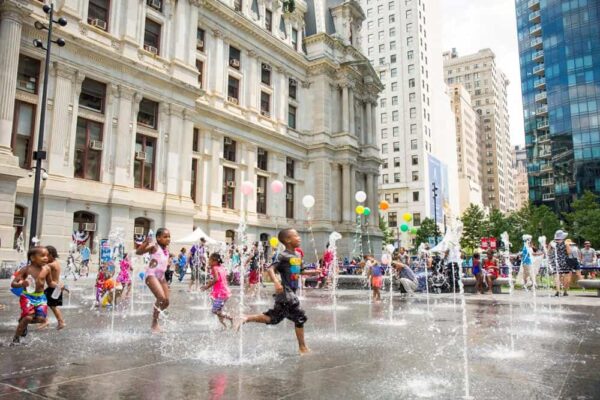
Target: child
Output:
[(124, 277), (100, 278), (55, 272), (155, 272), (220, 290), (287, 305), (490, 265), (170, 270), (34, 308), (111, 292), (375, 272), (181, 262), (254, 275), (478, 273)]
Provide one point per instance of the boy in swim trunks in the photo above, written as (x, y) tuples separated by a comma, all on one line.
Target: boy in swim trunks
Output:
[(289, 266), (54, 265), (34, 308)]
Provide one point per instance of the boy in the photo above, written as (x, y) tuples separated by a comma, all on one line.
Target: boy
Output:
[(289, 266), (182, 261), (55, 273), (34, 308)]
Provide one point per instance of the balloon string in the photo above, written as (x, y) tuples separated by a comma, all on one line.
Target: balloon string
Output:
[(312, 235)]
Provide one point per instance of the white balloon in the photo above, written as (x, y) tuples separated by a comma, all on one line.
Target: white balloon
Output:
[(390, 248), (360, 196), (385, 259), (308, 201)]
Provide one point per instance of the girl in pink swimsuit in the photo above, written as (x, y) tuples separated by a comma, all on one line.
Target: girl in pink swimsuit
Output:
[(220, 290), (155, 271)]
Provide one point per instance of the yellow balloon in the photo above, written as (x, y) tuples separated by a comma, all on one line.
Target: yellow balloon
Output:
[(407, 217), (274, 242), (360, 210)]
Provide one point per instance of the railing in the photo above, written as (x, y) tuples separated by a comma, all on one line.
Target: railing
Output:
[(539, 68), (539, 82), (541, 96), (537, 55), (535, 16), (536, 42), (542, 110)]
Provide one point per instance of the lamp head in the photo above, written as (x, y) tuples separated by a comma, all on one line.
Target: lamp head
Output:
[(60, 42), (38, 43), (46, 8), (62, 22), (44, 175), (38, 25)]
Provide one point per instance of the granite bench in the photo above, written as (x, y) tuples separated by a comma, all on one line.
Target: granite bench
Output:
[(590, 284), (469, 285)]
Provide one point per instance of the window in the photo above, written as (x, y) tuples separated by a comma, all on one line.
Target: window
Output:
[(383, 118), (392, 32), (265, 74), (292, 116), (395, 116), (22, 135), (196, 140), (200, 44), (395, 131), (415, 160), (229, 147), (98, 12), (384, 164), (417, 219), (392, 220), (384, 148), (295, 39), (384, 133), (393, 45), (194, 177), (382, 102), (265, 104), (409, 41), (92, 95), (397, 177), (396, 146), (415, 196), (234, 57), (412, 97), (392, 18), (261, 194), (269, 20), (143, 167), (228, 198), (27, 74), (413, 144), (391, 5), (408, 14), (200, 68), (393, 59), (394, 86), (385, 179), (394, 100), (370, 38), (282, 29), (409, 27), (415, 176), (152, 36), (262, 159), (233, 89), (394, 72), (237, 5), (290, 167), (380, 35), (292, 88), (396, 198), (413, 129), (381, 48), (413, 112), (411, 68), (289, 200), (411, 83), (410, 55), (148, 113), (396, 162)]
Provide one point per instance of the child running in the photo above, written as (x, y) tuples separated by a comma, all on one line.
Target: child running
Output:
[(124, 277), (289, 266), (34, 308), (220, 290), (375, 273), (155, 271), (55, 272)]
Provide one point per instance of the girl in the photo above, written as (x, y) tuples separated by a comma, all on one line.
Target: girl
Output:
[(220, 290), (100, 278), (375, 272), (155, 271), (124, 277), (478, 273), (490, 266)]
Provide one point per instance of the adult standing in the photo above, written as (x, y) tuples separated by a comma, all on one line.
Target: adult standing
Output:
[(197, 261), (85, 253), (557, 258), (588, 259), (526, 262), (574, 257)]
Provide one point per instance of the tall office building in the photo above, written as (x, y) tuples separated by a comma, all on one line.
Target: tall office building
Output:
[(560, 81), (521, 184), (402, 41), (486, 84), (468, 128)]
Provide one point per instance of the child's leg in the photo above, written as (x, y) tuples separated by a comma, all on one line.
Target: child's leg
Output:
[(162, 300), (301, 343), (59, 318), (488, 278), (23, 322)]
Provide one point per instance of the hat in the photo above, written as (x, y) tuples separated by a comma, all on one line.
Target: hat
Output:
[(526, 237), (560, 235)]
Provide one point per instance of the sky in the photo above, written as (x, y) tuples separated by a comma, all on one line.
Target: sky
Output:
[(471, 25)]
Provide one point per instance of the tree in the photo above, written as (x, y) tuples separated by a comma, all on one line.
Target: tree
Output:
[(426, 230), (497, 224), (542, 221), (388, 235), (584, 220), (473, 220)]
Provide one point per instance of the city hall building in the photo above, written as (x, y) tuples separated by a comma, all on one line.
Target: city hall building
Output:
[(158, 111)]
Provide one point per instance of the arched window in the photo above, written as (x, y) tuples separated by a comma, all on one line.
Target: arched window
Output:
[(141, 226), (229, 236), (84, 227)]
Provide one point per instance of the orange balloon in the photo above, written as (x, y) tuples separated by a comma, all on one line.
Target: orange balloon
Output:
[(384, 205)]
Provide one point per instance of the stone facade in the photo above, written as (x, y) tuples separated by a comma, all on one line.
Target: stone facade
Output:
[(188, 114)]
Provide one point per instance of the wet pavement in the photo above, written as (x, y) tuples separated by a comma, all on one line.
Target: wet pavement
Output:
[(498, 347)]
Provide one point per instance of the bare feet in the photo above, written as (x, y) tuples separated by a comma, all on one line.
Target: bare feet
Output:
[(237, 323), (304, 350), (61, 325), (155, 327), (43, 325)]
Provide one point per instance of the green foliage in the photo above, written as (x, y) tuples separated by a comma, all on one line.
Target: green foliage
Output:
[(473, 220), (388, 234), (426, 230), (584, 220), (542, 221)]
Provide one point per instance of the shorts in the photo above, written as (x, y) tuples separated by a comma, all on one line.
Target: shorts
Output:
[(288, 308), (33, 304), (492, 273), (53, 302), (217, 305), (254, 277), (377, 281)]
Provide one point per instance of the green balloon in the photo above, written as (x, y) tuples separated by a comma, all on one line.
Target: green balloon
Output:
[(414, 230), (404, 227), (367, 211)]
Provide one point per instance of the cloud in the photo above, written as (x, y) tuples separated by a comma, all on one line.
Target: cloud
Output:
[(471, 25)]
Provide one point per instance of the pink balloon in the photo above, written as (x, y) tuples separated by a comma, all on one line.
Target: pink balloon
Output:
[(247, 188), (276, 186)]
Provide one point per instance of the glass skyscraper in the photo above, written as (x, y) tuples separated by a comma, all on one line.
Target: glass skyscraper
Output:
[(559, 51)]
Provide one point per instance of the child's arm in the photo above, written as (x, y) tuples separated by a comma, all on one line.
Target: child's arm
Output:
[(20, 279), (213, 281), (273, 276), (145, 247), (48, 277)]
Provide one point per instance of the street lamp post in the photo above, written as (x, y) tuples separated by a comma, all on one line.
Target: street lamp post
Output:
[(39, 155), (434, 190)]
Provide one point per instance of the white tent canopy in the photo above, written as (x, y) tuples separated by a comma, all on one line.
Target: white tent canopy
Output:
[(195, 237)]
